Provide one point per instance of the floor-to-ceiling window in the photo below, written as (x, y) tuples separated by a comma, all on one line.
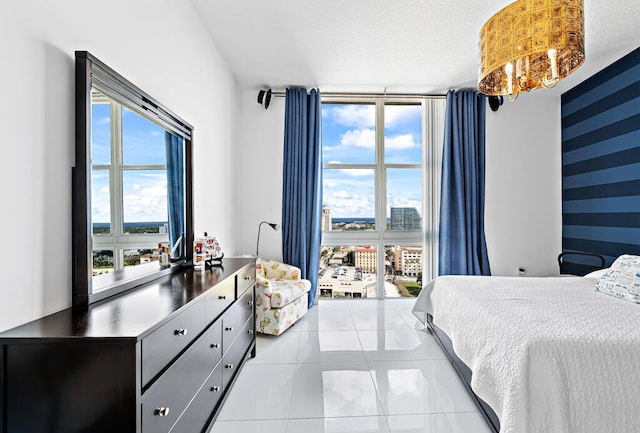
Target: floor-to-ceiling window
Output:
[(381, 162)]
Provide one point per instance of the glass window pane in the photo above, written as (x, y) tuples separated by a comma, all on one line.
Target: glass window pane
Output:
[(143, 142), (144, 200), (102, 261), (403, 271), (404, 199), (100, 134), (348, 271), (403, 134), (348, 199), (348, 134), (140, 256), (100, 202)]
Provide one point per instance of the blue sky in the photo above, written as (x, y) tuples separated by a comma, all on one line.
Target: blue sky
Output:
[(348, 137), (144, 191)]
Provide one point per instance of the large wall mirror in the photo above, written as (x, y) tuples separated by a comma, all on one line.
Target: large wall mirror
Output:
[(132, 185)]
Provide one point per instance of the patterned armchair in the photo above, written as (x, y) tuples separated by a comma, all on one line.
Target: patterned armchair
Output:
[(281, 296)]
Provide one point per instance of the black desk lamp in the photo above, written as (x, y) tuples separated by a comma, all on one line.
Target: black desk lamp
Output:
[(274, 226)]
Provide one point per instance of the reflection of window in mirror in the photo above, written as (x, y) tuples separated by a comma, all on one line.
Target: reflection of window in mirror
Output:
[(129, 196)]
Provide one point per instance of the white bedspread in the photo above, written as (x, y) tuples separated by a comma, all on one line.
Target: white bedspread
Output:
[(549, 355)]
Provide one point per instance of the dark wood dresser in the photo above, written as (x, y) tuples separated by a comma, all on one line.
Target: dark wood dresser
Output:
[(160, 358)]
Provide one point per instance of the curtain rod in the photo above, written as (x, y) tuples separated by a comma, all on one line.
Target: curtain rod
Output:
[(282, 93)]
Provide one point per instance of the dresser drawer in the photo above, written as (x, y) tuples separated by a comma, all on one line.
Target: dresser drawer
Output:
[(166, 342), (196, 416), (234, 356), (167, 398), (219, 298), (245, 279), (235, 317)]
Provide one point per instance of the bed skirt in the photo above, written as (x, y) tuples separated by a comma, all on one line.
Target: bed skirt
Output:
[(465, 374)]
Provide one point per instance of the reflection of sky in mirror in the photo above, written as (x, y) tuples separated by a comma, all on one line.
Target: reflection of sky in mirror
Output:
[(144, 196), (348, 137), (143, 142), (100, 134), (404, 189), (100, 203)]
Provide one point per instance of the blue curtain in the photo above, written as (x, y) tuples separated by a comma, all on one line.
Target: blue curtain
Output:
[(463, 249), (175, 187), (302, 183)]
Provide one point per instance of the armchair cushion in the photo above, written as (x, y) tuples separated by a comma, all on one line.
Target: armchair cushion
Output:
[(280, 296), (271, 269), (284, 292)]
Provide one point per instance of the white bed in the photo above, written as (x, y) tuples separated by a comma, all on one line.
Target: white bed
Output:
[(549, 355)]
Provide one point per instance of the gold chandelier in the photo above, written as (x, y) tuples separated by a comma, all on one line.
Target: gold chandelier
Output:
[(530, 44)]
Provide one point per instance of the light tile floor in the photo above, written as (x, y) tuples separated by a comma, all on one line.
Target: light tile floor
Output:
[(357, 366)]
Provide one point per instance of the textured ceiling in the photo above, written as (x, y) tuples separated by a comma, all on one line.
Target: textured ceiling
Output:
[(424, 46)]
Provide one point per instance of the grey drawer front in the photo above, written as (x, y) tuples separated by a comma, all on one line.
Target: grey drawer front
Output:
[(163, 403), (166, 342), (219, 298), (196, 416), (235, 317), (234, 356), (246, 278)]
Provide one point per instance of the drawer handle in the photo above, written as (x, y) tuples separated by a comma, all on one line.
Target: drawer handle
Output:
[(228, 366), (229, 328), (181, 331), (222, 297), (161, 411), (215, 345), (250, 331), (247, 278), (215, 388), (250, 303)]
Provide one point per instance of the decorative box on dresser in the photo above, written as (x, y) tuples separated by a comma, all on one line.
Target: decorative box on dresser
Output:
[(159, 358)]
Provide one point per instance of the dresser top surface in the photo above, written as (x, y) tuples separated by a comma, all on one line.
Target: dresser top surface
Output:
[(134, 313)]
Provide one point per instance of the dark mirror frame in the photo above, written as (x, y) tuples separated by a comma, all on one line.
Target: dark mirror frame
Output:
[(93, 73)]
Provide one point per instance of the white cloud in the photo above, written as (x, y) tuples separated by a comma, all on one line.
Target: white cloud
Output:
[(146, 202), (357, 172), (353, 116), (349, 204), (404, 141), (395, 115), (405, 202), (362, 138), (364, 116)]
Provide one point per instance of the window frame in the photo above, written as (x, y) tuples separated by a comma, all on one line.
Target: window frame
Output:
[(117, 241), (432, 123)]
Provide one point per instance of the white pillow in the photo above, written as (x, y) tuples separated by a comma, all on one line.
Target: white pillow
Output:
[(597, 274), (622, 279)]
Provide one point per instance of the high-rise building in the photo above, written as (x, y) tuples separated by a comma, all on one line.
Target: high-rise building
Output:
[(405, 218), (325, 221), (366, 258), (408, 261)]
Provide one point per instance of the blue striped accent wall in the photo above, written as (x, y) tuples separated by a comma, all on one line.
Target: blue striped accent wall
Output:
[(601, 162)]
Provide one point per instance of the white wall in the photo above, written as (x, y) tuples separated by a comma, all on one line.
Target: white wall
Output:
[(161, 46), (259, 175), (523, 215), (523, 196)]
